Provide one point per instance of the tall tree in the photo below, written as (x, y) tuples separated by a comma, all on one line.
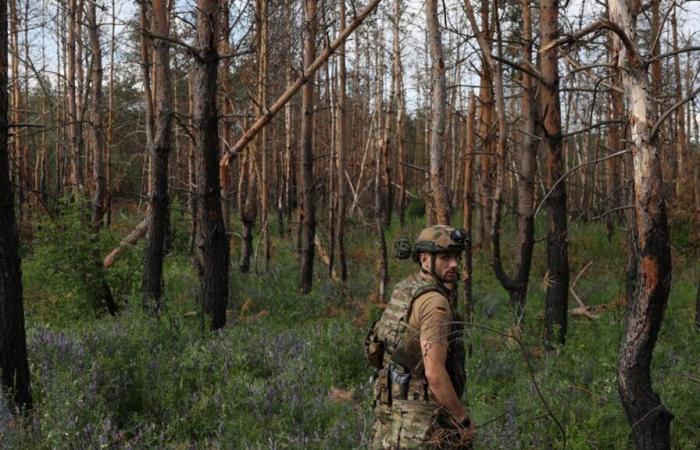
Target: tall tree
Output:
[(75, 127), (440, 208), (649, 418), (306, 161), (341, 139), (397, 79), (14, 369), (557, 247), (97, 138), (211, 240), (159, 151)]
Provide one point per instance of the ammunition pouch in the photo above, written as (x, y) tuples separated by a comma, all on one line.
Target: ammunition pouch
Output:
[(374, 347)]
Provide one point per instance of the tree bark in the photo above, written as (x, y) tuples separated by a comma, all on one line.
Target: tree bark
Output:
[(212, 242), (96, 127), (438, 191), (306, 162), (681, 141), (14, 369), (75, 128), (468, 200), (261, 107), (159, 151), (400, 111), (647, 415), (557, 244), (341, 124)]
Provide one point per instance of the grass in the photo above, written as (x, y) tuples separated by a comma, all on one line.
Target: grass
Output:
[(289, 371)]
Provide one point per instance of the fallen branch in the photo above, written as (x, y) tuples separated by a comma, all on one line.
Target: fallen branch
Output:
[(582, 309), (136, 234)]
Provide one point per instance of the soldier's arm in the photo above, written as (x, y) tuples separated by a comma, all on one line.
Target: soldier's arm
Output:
[(434, 357)]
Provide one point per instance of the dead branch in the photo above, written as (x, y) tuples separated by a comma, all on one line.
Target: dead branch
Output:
[(582, 309), (136, 234)]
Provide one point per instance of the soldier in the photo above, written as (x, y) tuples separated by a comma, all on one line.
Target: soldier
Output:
[(417, 347)]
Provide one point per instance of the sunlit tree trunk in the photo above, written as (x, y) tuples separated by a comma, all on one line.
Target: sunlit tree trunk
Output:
[(438, 191), (647, 415)]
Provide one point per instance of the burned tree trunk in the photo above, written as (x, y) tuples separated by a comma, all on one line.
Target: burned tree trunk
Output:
[(306, 162), (14, 369), (212, 242), (647, 415), (438, 191), (159, 150), (557, 246)]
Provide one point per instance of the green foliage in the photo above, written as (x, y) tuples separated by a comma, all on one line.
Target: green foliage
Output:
[(63, 271), (416, 208), (269, 379)]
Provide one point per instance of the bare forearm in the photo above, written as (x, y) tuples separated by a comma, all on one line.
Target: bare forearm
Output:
[(443, 391)]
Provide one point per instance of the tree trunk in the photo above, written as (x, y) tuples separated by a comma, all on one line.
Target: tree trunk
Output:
[(341, 125), (75, 129), (681, 141), (486, 105), (468, 199), (306, 162), (438, 191), (557, 251), (96, 113), (159, 151), (647, 415), (14, 368), (612, 176), (248, 207), (260, 108), (400, 111), (212, 242)]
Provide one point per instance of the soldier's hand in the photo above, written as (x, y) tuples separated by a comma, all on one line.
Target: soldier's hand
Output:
[(466, 432)]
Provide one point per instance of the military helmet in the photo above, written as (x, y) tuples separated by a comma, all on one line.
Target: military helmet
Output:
[(440, 239)]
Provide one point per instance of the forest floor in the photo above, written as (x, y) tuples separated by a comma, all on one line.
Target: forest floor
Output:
[(288, 371)]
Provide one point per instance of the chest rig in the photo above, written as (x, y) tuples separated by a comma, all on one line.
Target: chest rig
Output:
[(394, 346)]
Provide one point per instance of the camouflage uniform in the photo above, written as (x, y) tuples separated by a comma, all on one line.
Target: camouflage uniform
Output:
[(406, 413)]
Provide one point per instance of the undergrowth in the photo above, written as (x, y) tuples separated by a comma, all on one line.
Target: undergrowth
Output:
[(288, 371)]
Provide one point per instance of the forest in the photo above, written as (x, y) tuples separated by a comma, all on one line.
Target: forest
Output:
[(202, 203)]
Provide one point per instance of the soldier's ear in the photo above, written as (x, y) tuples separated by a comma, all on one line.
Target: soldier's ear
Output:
[(424, 261)]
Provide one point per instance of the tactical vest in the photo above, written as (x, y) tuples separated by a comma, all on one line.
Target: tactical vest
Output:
[(402, 375)]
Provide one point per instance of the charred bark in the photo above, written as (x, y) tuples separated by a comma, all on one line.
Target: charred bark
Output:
[(212, 242), (159, 150), (557, 245), (14, 369), (649, 418)]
